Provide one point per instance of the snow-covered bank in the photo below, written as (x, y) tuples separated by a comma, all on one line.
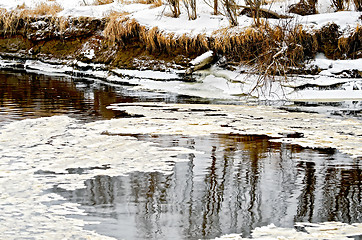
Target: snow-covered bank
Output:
[(215, 82), (206, 23), (142, 36)]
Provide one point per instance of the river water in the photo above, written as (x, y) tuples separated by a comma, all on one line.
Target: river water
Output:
[(219, 184)]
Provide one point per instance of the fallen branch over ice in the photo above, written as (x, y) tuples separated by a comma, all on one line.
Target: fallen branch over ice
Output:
[(200, 62)]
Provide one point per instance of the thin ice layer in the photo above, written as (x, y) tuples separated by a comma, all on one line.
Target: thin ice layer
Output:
[(39, 154), (327, 230), (319, 130)]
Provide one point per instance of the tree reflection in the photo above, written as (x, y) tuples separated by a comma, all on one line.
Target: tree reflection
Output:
[(34, 95), (306, 199), (239, 183)]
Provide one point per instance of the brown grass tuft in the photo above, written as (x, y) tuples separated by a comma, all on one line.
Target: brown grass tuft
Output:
[(102, 2), (155, 3), (12, 20), (121, 28), (43, 8), (350, 46)]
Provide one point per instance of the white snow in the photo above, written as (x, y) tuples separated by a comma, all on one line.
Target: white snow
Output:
[(147, 74), (317, 231), (202, 58), (206, 22), (216, 83), (331, 67)]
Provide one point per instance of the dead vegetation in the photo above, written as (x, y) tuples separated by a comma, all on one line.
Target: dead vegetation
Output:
[(276, 50), (121, 30), (102, 2), (12, 20), (358, 5), (272, 51)]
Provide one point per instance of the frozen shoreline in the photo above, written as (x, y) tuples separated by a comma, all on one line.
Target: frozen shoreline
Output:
[(319, 131), (215, 82)]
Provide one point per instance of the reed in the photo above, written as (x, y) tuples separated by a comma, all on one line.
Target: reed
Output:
[(102, 2), (120, 28), (11, 21), (358, 4), (350, 46), (43, 8)]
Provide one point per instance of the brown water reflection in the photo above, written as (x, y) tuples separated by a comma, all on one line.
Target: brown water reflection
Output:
[(34, 95), (30, 95), (241, 182)]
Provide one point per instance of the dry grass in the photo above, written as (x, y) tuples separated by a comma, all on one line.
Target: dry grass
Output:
[(266, 46), (155, 3), (12, 20), (20, 7), (121, 28), (42, 9), (260, 44), (358, 4), (270, 51), (102, 2), (350, 46)]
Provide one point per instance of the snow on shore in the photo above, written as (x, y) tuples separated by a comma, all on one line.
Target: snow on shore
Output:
[(206, 22), (217, 82)]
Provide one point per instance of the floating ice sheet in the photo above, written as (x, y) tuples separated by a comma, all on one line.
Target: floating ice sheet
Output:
[(319, 130), (327, 230), (39, 154)]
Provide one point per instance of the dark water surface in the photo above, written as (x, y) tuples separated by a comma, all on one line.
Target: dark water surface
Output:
[(29, 95), (235, 183), (241, 182)]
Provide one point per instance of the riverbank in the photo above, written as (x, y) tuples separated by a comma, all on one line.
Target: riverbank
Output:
[(126, 41), (280, 60)]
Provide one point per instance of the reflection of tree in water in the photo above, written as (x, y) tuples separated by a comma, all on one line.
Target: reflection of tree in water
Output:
[(330, 191), (306, 199), (241, 182), (102, 190), (39, 95), (237, 166), (342, 190)]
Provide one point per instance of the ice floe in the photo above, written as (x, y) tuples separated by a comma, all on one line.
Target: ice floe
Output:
[(319, 131), (317, 231), (39, 154)]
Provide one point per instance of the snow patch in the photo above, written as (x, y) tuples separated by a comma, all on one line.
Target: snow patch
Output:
[(89, 53), (317, 231)]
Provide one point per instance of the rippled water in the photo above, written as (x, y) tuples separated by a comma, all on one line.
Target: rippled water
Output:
[(240, 183), (226, 184), (29, 95)]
